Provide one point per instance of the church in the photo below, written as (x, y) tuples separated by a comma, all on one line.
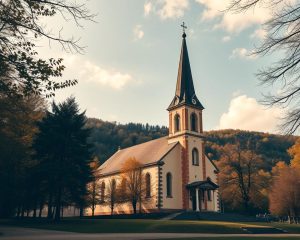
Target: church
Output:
[(180, 175)]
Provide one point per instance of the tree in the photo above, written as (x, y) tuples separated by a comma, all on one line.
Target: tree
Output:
[(241, 179), (284, 196), (111, 196), (18, 118), (21, 71), (283, 34), (133, 176), (61, 146), (93, 197), (294, 151)]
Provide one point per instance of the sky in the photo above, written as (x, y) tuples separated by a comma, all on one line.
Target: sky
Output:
[(129, 68)]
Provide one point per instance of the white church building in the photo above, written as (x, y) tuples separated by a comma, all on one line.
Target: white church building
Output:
[(181, 176)]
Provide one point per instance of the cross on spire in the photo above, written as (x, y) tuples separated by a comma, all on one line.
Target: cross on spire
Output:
[(183, 27)]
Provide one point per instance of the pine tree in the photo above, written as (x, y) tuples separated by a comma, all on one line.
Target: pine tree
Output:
[(62, 149)]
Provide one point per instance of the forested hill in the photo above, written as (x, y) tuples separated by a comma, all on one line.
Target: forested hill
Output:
[(106, 137), (272, 147)]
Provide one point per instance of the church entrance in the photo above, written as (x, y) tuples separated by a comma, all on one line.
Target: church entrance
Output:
[(196, 199)]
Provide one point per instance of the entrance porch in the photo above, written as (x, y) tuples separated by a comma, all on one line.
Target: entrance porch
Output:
[(203, 195)]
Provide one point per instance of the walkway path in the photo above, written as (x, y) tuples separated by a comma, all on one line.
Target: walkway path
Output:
[(16, 233)]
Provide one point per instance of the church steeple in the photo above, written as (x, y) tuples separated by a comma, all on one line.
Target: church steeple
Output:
[(185, 92)]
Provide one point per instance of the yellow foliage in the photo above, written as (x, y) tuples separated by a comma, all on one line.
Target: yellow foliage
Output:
[(277, 169), (294, 151)]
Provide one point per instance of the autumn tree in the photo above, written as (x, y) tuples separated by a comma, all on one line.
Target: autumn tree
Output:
[(133, 178), (282, 36), (242, 182), (294, 152), (284, 196), (18, 119), (111, 195), (93, 197), (21, 25)]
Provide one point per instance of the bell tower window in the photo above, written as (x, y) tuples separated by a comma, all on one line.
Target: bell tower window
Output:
[(194, 122), (195, 157), (177, 123)]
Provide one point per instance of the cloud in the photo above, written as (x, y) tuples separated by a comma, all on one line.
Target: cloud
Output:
[(226, 38), (138, 32), (166, 9), (172, 8), (232, 22), (246, 113), (242, 53), (147, 8), (259, 33), (85, 70)]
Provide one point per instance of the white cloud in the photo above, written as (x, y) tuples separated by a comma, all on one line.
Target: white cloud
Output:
[(232, 22), (246, 113), (259, 33), (138, 32), (147, 8), (84, 70), (172, 8), (166, 9), (226, 38), (242, 53)]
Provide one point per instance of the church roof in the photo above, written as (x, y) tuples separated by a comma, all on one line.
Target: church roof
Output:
[(185, 92), (207, 184), (147, 153)]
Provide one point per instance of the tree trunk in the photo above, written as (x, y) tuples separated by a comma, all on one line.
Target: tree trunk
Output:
[(81, 211), (134, 206), (58, 205), (40, 211), (34, 212), (49, 214)]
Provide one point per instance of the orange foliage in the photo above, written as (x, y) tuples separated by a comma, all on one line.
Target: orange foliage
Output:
[(284, 197), (294, 151)]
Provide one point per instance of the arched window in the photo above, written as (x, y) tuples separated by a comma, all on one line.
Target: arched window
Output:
[(102, 194), (194, 122), (195, 157), (148, 185), (169, 184), (177, 123)]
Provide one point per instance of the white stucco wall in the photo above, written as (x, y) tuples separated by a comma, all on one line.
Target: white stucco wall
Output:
[(172, 164), (148, 204)]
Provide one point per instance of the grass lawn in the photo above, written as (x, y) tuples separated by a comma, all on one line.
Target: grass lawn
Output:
[(130, 226), (144, 226), (238, 238)]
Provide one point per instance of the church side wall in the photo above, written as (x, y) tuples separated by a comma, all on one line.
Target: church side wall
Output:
[(148, 204), (196, 172), (172, 164), (210, 170)]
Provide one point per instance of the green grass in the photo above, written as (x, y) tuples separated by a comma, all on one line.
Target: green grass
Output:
[(130, 226), (143, 226), (237, 238)]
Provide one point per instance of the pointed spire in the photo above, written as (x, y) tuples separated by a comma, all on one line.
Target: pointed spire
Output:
[(185, 92)]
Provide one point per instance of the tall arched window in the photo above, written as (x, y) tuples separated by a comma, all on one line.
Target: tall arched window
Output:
[(195, 157), (177, 123), (148, 185), (102, 191), (169, 184), (194, 122)]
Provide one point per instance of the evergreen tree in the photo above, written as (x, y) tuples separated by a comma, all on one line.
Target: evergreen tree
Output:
[(62, 149)]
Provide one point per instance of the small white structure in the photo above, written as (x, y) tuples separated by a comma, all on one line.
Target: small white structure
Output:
[(180, 175)]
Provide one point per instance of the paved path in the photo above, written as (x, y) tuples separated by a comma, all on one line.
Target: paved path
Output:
[(16, 233)]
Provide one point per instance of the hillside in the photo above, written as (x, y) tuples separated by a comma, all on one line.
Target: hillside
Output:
[(107, 137)]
